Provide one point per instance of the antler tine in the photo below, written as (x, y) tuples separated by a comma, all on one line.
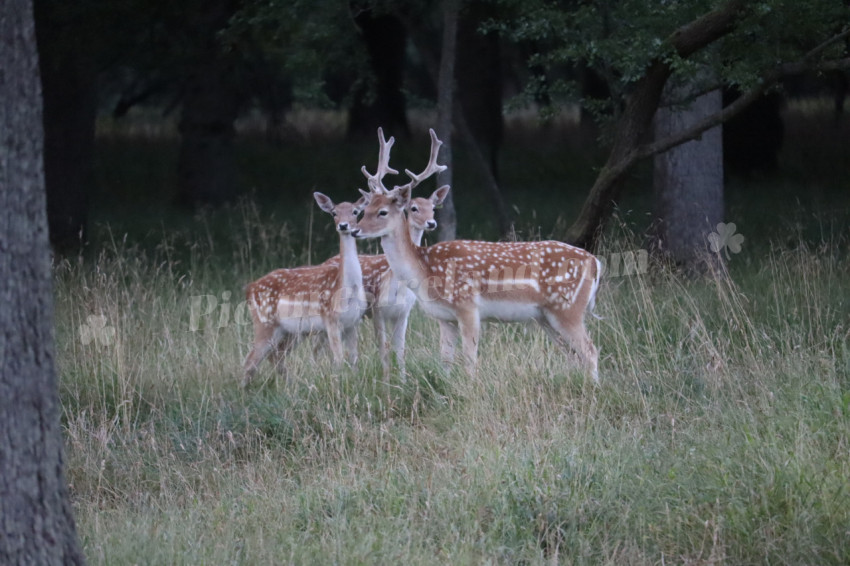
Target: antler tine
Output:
[(432, 166), (376, 184)]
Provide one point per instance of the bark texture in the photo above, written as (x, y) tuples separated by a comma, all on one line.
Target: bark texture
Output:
[(634, 124), (447, 215), (36, 522), (688, 184)]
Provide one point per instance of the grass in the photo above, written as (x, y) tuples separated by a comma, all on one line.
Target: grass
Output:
[(720, 432)]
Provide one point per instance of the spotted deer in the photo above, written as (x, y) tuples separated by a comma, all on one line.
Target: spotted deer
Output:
[(462, 282), (287, 304), (389, 301)]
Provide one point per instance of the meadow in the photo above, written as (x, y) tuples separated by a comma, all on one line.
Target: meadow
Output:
[(720, 431)]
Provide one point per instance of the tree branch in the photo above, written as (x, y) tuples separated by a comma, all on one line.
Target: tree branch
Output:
[(636, 120), (767, 81), (784, 70), (824, 45), (706, 29)]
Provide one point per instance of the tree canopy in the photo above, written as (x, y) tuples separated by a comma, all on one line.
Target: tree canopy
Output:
[(614, 57)]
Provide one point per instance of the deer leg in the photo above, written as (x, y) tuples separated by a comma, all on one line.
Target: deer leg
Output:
[(558, 339), (335, 341), (349, 340), (379, 324), (320, 340), (279, 354), (399, 338), (469, 325), (266, 338), (448, 340), (574, 333)]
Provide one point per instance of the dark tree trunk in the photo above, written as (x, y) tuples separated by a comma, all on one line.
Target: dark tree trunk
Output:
[(206, 168), (447, 215), (688, 183), (633, 125), (36, 519), (386, 41), (69, 84), (632, 128), (479, 81), (464, 132)]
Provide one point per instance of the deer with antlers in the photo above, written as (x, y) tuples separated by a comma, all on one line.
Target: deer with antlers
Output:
[(462, 282), (389, 301), (287, 304)]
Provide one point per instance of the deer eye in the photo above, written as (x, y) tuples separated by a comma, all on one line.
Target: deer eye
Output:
[(414, 208), (382, 212)]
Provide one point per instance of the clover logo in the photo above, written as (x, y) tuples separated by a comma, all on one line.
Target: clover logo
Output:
[(725, 239), (95, 331)]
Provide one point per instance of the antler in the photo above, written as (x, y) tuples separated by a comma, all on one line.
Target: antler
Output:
[(376, 184), (430, 169)]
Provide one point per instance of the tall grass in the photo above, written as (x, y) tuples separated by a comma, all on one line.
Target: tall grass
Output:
[(719, 432)]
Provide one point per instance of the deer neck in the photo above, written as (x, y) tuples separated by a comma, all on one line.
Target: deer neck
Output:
[(403, 254), (350, 272), (416, 234)]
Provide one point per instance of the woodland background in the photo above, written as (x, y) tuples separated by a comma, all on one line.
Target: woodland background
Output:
[(181, 145)]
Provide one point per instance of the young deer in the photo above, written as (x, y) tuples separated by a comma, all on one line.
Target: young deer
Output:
[(389, 300), (289, 303), (461, 283)]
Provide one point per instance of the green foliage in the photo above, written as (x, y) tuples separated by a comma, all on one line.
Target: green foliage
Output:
[(619, 39), (309, 41)]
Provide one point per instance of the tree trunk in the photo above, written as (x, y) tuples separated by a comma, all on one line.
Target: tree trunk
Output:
[(206, 168), (632, 127), (634, 123), (69, 85), (478, 73), (447, 215), (36, 519), (212, 93), (688, 183), (463, 131), (386, 41)]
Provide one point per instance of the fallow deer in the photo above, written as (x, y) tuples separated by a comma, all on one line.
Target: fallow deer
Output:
[(289, 303), (462, 282), (389, 300)]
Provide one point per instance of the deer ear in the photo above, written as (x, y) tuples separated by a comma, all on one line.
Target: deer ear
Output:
[(324, 202), (402, 197), (440, 195), (366, 196)]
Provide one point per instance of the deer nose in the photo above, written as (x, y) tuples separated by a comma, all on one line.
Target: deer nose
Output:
[(355, 232), (343, 226), (431, 224)]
